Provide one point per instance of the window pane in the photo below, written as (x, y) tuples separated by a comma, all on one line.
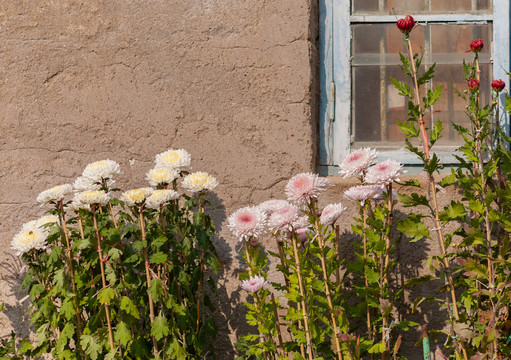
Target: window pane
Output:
[(401, 7), (376, 104)]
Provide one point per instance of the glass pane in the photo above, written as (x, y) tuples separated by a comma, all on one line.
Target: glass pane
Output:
[(395, 7), (376, 105)]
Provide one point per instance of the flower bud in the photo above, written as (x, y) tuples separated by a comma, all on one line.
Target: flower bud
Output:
[(498, 85), (406, 25), (473, 84), (476, 45)]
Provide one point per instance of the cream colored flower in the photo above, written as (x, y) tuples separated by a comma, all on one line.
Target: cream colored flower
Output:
[(174, 159), (104, 169), (161, 197), (162, 176), (28, 239), (136, 196), (199, 181), (91, 197), (48, 219), (56, 193)]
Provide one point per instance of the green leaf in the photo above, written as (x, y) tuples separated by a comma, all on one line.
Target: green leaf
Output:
[(156, 289), (413, 200), (377, 348), (413, 227), (160, 327), (158, 258), (436, 132), (106, 295), (66, 334), (455, 211), (122, 333), (175, 350), (91, 346), (129, 306)]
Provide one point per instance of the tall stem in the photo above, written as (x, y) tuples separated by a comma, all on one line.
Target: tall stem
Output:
[(366, 282), (302, 293), (277, 324), (103, 277), (325, 279), (147, 276)]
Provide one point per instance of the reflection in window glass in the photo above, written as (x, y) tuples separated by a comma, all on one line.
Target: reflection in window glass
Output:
[(385, 7), (376, 105)]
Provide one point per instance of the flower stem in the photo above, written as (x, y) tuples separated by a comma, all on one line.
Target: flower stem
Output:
[(277, 324), (302, 293), (366, 282), (103, 277), (148, 277)]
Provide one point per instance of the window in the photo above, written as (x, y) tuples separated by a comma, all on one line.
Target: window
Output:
[(359, 52)]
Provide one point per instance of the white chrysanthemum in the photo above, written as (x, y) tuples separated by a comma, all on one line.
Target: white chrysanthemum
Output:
[(162, 176), (283, 218), (357, 162), (136, 196), (91, 197), (42, 222), (103, 169), (84, 183), (270, 206), (174, 159), (301, 223), (247, 222), (56, 193), (331, 213), (28, 239), (160, 197), (75, 206), (32, 224), (384, 173), (253, 284), (199, 181), (361, 193), (302, 188)]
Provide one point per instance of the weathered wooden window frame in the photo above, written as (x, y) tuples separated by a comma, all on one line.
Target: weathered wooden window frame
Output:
[(335, 74)]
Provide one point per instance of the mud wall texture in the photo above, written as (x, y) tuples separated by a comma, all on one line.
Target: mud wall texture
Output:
[(233, 82)]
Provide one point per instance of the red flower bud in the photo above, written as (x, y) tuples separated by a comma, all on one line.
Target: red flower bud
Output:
[(476, 45), (498, 85), (473, 84), (406, 25)]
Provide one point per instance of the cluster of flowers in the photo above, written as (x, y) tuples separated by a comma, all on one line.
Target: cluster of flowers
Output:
[(288, 216), (95, 186)]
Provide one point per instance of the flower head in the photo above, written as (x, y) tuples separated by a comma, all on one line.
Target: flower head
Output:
[(199, 181), (302, 188), (384, 173), (174, 159), (161, 197), (84, 183), (162, 176), (361, 193), (247, 222), (100, 170), (357, 162), (43, 222), (56, 193), (270, 206), (91, 197), (473, 84), (498, 85), (283, 218), (476, 45), (331, 213), (136, 196), (28, 239), (406, 25), (253, 284)]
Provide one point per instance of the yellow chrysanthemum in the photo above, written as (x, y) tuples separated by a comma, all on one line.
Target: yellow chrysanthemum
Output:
[(27, 240), (162, 176), (199, 181), (136, 196), (92, 197), (56, 193), (174, 159)]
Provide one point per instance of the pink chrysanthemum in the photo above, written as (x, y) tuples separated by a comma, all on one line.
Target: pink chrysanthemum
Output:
[(302, 188), (384, 173), (270, 206), (362, 193), (331, 213), (283, 218), (357, 162), (253, 284), (247, 222)]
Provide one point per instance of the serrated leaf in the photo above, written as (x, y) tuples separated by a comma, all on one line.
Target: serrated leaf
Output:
[(413, 200), (413, 227), (91, 346), (129, 306), (106, 295), (158, 258), (160, 327), (122, 333), (66, 334)]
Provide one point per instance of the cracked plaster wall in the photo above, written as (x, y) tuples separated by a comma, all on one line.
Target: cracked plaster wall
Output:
[(231, 81)]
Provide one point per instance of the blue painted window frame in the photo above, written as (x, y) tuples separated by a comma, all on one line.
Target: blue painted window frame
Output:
[(335, 21)]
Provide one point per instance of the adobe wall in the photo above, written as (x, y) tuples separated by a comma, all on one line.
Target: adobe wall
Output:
[(233, 82)]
